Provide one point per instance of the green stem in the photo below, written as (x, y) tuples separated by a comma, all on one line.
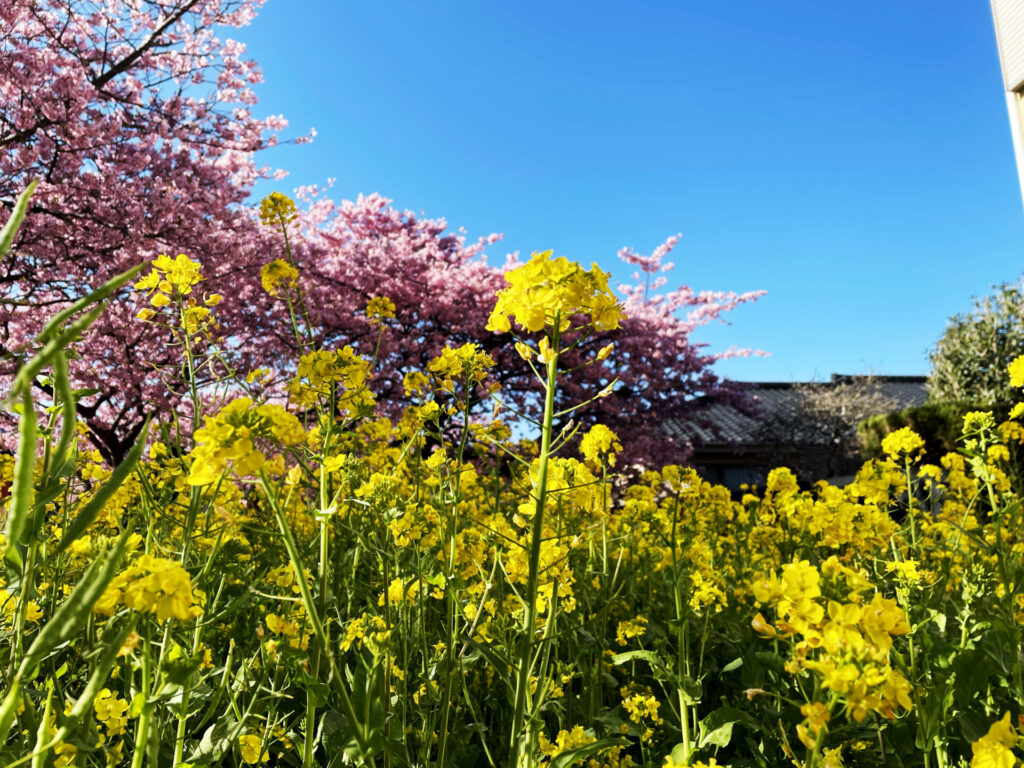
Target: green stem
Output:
[(186, 694), (335, 676), (521, 741), (142, 730)]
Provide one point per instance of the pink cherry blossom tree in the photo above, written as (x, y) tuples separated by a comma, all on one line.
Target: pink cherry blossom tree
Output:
[(137, 119), (444, 290)]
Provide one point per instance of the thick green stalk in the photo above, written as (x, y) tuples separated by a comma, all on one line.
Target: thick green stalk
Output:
[(682, 641), (450, 603), (520, 746), (142, 729), (186, 694), (336, 679)]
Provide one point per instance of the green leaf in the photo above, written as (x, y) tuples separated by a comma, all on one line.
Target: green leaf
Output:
[(11, 227), (136, 705), (690, 688), (648, 656), (317, 693), (502, 666), (9, 708), (573, 756), (217, 741), (331, 732), (734, 664), (716, 728)]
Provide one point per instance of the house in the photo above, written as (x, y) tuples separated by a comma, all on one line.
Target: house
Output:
[(807, 426), (1008, 17)]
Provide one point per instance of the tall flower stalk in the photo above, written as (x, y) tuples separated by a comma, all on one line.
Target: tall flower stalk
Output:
[(563, 303)]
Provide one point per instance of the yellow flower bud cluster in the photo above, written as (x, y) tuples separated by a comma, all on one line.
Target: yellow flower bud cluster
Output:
[(379, 309), (277, 210), (278, 276), (339, 374), (152, 585), (902, 442), (626, 630), (545, 291), (976, 421), (642, 707), (230, 436), (467, 364), (599, 446), (359, 628)]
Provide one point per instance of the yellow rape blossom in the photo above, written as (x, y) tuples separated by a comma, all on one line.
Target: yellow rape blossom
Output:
[(467, 364), (600, 445), (995, 748), (902, 442), (277, 209), (544, 289), (642, 707), (379, 309), (629, 629), (1016, 369), (975, 421), (229, 437), (338, 376), (152, 585), (112, 711), (250, 745), (279, 276), (565, 740), (171, 276)]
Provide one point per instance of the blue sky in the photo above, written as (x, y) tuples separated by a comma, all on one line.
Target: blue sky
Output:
[(853, 159)]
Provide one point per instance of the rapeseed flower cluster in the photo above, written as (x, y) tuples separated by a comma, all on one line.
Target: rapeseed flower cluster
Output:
[(170, 280), (339, 378), (277, 210), (902, 442), (466, 365), (279, 278), (379, 309), (995, 748), (232, 439), (153, 585), (846, 644), (600, 446), (545, 292)]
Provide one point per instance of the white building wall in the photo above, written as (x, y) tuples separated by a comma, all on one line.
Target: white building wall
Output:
[(1009, 20), (1008, 16)]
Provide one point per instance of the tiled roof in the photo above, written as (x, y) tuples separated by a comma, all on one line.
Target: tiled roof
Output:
[(780, 402)]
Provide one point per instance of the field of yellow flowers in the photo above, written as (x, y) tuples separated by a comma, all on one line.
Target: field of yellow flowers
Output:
[(281, 575)]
